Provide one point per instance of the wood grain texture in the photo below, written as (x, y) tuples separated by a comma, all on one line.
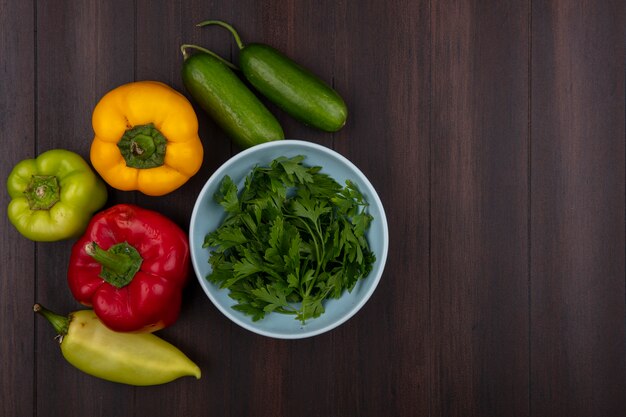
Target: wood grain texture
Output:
[(479, 206), (18, 271), (577, 298), (494, 133), (387, 136)]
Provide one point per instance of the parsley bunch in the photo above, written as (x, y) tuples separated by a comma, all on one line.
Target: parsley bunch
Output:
[(292, 238)]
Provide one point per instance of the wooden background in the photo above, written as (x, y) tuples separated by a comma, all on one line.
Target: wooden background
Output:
[(494, 132)]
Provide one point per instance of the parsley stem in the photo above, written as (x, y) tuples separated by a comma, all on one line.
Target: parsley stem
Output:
[(274, 274), (318, 259)]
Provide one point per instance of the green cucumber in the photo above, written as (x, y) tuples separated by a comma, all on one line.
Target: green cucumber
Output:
[(230, 103), (294, 89)]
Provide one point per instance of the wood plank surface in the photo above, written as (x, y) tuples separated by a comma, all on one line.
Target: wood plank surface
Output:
[(577, 214), (479, 208), (18, 271), (494, 133)]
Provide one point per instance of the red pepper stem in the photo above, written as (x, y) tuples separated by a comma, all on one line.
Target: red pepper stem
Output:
[(60, 323), (119, 264)]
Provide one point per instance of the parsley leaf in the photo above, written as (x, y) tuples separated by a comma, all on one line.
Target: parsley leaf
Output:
[(292, 238), (227, 195)]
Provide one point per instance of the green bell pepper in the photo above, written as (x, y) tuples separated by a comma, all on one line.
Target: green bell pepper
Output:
[(54, 196)]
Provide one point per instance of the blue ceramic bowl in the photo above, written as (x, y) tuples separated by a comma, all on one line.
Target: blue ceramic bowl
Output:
[(208, 215)]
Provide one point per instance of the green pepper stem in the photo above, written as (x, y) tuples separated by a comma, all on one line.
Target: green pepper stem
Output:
[(43, 192), (60, 323), (119, 264), (183, 49), (230, 28)]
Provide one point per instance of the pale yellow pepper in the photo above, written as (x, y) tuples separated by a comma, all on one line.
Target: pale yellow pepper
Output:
[(146, 138), (128, 358)]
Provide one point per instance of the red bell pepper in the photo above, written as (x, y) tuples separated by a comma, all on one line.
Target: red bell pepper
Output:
[(131, 266)]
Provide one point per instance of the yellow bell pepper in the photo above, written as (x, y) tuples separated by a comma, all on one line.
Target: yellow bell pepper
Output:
[(146, 138)]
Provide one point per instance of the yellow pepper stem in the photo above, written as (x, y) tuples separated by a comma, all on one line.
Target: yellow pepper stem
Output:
[(143, 146)]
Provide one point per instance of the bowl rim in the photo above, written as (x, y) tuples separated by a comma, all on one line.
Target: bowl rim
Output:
[(249, 325)]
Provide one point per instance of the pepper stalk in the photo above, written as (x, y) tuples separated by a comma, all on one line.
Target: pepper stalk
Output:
[(119, 264)]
